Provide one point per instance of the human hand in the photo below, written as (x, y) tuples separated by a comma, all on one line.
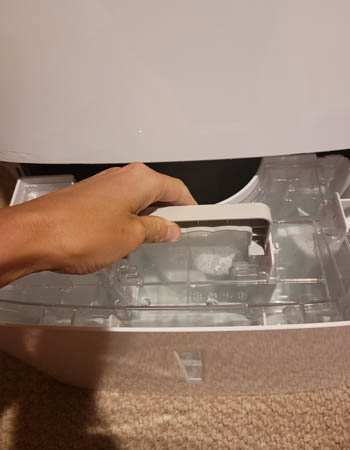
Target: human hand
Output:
[(88, 225)]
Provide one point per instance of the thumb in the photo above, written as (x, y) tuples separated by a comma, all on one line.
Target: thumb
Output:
[(158, 229)]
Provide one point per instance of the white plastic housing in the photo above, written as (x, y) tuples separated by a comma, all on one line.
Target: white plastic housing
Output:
[(96, 81)]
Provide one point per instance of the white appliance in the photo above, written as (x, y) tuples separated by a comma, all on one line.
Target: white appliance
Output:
[(260, 304)]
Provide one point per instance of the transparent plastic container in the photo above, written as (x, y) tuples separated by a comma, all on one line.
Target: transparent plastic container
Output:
[(209, 278)]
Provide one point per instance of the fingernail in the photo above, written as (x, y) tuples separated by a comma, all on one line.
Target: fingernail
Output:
[(173, 234)]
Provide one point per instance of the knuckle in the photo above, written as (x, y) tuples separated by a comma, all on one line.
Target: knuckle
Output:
[(137, 166), (159, 228), (180, 183), (138, 231)]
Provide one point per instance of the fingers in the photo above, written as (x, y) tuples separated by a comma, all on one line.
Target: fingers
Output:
[(158, 229), (134, 187), (175, 191), (149, 186)]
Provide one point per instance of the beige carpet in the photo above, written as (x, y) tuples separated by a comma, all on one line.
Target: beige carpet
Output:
[(39, 413)]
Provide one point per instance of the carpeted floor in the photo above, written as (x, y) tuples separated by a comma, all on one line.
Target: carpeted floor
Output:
[(37, 412)]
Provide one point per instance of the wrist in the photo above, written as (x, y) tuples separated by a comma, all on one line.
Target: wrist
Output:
[(22, 249)]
